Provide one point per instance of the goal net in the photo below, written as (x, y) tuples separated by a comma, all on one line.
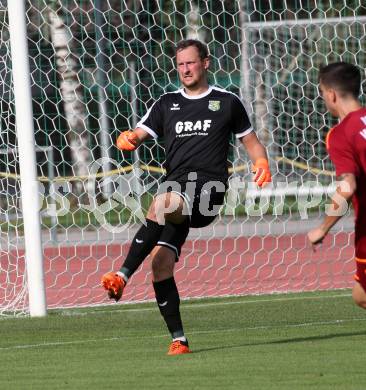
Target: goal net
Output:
[(96, 67)]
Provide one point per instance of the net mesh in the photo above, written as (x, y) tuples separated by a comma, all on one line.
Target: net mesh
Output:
[(96, 67)]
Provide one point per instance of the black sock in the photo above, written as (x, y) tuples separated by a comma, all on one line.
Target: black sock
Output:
[(141, 246), (167, 297)]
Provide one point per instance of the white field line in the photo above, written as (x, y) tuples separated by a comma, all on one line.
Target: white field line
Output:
[(193, 305), (188, 304), (213, 331)]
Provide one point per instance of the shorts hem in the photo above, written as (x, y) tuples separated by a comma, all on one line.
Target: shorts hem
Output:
[(170, 246)]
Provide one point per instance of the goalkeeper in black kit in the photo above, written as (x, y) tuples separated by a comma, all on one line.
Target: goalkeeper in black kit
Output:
[(196, 123)]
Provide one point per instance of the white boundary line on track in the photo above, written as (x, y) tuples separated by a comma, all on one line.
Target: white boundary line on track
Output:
[(192, 305), (76, 342)]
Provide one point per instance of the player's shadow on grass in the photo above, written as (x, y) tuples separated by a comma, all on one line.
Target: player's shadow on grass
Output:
[(284, 341)]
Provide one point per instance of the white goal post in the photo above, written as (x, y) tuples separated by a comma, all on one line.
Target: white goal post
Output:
[(77, 72), (27, 158)]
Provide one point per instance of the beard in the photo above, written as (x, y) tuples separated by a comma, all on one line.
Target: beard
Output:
[(189, 83)]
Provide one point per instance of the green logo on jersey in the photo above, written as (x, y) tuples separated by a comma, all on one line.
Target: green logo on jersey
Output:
[(214, 105)]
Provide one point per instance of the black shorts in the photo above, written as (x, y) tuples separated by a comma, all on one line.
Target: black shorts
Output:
[(174, 236), (203, 200)]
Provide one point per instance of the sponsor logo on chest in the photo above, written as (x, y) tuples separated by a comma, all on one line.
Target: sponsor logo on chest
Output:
[(193, 128)]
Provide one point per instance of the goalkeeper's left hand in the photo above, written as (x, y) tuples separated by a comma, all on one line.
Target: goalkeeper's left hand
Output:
[(262, 174)]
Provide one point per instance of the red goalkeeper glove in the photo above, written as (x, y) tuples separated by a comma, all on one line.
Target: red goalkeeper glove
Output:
[(262, 174), (127, 140)]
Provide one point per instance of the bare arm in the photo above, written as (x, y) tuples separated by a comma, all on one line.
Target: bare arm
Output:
[(346, 187), (253, 147), (257, 153), (142, 135), (130, 140)]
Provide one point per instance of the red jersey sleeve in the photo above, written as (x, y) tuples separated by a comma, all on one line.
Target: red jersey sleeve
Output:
[(341, 152)]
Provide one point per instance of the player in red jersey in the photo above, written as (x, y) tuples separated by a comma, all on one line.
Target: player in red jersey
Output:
[(339, 85)]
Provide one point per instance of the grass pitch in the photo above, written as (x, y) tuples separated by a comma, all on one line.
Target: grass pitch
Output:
[(292, 341)]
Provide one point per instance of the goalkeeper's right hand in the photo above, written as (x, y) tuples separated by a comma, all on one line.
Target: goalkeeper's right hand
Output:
[(127, 140)]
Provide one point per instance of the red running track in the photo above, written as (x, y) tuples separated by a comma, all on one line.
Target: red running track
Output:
[(211, 267)]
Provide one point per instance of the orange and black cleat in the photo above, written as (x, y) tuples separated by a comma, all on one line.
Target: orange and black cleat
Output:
[(178, 347), (114, 284)]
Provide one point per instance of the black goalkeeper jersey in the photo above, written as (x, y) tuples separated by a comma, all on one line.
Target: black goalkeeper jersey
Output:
[(196, 131)]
